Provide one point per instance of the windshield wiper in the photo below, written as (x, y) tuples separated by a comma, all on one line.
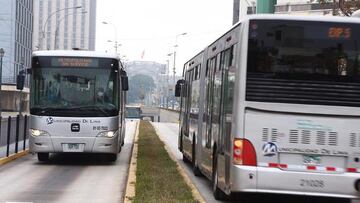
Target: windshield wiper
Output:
[(46, 110), (90, 108)]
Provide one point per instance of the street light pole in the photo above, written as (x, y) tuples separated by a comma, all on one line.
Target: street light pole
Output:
[(116, 45), (174, 68), (43, 30), (168, 82), (175, 46), (115, 29), (2, 53)]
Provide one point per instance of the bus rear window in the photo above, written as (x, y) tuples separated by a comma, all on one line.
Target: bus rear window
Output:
[(303, 49)]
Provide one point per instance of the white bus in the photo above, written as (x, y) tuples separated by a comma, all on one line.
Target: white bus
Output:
[(77, 103), (273, 106)]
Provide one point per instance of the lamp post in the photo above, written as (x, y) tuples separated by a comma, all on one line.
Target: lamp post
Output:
[(43, 30), (167, 81), (175, 46), (2, 53), (58, 24), (174, 68), (116, 45), (116, 42)]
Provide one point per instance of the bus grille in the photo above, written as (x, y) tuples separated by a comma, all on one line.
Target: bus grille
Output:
[(321, 138), (354, 140), (302, 91)]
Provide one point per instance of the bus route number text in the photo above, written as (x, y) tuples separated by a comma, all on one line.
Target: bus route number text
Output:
[(338, 32), (312, 183)]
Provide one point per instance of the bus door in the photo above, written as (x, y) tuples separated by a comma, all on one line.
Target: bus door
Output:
[(227, 95), (187, 140), (207, 145)]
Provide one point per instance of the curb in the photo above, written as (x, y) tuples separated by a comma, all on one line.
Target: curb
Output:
[(130, 185), (197, 196), (13, 157)]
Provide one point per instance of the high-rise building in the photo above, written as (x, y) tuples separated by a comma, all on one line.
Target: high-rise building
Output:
[(16, 28), (64, 24)]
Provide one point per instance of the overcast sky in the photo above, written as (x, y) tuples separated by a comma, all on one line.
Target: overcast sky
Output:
[(151, 26)]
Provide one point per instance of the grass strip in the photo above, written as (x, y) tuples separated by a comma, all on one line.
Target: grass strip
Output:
[(157, 177)]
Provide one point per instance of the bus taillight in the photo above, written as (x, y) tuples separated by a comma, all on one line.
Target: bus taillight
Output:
[(244, 152)]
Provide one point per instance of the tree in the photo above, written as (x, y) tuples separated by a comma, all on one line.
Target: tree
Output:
[(139, 86), (347, 7)]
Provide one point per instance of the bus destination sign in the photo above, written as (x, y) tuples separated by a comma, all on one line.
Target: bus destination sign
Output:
[(75, 62)]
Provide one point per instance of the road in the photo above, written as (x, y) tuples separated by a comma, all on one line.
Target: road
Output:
[(68, 177), (168, 132), (169, 116)]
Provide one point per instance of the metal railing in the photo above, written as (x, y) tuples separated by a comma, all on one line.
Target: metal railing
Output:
[(13, 135)]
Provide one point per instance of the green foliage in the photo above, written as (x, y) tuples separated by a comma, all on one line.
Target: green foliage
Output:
[(139, 86), (157, 177)]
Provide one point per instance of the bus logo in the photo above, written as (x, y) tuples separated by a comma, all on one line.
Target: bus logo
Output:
[(269, 149), (49, 120)]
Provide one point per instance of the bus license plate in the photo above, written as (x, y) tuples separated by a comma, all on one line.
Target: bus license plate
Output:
[(73, 147)]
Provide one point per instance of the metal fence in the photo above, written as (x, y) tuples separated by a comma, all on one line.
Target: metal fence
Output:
[(13, 135)]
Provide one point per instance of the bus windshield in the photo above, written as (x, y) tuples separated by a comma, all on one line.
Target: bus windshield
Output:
[(303, 62), (74, 91), (305, 50)]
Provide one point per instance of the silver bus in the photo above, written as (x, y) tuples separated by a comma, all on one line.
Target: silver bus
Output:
[(77, 103), (273, 106)]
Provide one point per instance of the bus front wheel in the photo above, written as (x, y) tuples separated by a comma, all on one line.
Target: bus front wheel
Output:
[(43, 156)]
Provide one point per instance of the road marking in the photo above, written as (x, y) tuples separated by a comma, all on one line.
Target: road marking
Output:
[(19, 202), (130, 185), (13, 157)]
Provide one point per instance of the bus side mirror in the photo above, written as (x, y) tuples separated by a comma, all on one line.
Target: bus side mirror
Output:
[(20, 82), (28, 71), (178, 87), (124, 83)]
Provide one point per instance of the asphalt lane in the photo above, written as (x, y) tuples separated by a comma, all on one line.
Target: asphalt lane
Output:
[(68, 177), (168, 132)]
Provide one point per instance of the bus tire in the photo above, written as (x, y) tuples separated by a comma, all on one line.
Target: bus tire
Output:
[(43, 156), (218, 194), (196, 170), (112, 157), (185, 159)]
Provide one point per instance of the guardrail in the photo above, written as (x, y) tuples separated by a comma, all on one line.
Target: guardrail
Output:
[(173, 110), (13, 135)]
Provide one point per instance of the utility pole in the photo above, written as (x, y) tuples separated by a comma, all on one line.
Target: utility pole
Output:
[(2, 53), (236, 11)]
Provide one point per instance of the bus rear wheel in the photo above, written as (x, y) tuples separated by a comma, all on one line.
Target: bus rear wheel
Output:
[(218, 194), (43, 156), (112, 157)]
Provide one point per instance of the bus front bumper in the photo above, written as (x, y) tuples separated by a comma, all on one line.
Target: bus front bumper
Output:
[(78, 144), (278, 181)]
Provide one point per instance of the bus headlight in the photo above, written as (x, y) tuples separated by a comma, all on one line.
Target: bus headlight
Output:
[(108, 134), (37, 133)]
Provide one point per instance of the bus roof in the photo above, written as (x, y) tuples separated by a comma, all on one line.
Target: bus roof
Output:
[(338, 19), (75, 53)]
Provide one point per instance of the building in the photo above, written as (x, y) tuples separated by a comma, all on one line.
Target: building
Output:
[(303, 7), (64, 24), (293, 7), (16, 29), (163, 82)]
